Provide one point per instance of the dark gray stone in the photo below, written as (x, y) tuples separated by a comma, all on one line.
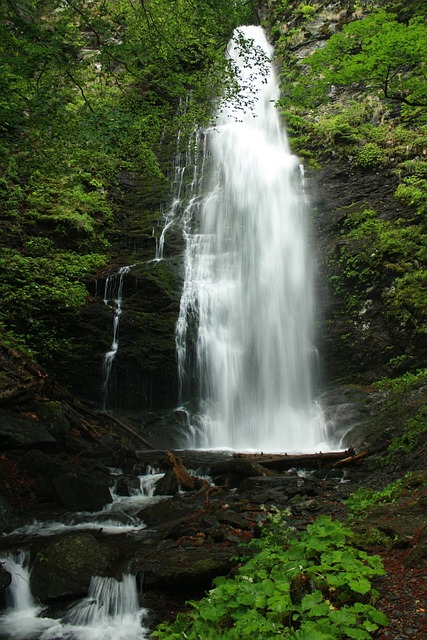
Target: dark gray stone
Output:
[(19, 432), (64, 567), (81, 492)]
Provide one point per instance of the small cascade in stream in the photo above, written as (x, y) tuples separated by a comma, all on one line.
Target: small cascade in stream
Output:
[(21, 617), (111, 610), (18, 594), (113, 293), (245, 331)]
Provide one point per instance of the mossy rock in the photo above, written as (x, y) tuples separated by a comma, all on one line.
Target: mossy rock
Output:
[(64, 567)]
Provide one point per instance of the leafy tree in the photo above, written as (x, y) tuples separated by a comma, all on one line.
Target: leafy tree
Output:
[(381, 52), (89, 90)]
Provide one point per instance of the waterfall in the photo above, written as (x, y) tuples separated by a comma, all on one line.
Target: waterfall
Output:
[(113, 293), (184, 188), (20, 620), (111, 610), (249, 278)]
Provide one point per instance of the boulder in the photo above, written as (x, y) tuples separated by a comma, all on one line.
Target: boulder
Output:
[(81, 491), (167, 486), (278, 489), (5, 578), (64, 567), (23, 432), (192, 566)]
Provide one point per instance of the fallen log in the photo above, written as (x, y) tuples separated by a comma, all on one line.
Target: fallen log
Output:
[(351, 459), (125, 427), (281, 462), (189, 482)]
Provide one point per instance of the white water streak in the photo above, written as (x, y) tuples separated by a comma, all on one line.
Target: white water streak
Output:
[(113, 297)]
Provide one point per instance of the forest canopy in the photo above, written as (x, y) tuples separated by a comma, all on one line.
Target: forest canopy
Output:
[(89, 90)]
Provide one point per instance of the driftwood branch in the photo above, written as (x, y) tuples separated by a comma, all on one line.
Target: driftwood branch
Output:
[(358, 457)]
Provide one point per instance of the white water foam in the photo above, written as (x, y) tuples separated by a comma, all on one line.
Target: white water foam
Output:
[(111, 610)]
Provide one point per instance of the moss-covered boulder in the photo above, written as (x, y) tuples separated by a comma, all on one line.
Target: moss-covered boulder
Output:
[(65, 566)]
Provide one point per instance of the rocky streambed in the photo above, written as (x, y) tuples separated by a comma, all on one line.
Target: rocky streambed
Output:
[(174, 541)]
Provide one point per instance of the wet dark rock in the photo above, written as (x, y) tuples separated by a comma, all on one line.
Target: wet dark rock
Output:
[(232, 472), (232, 518), (38, 462), (193, 566), (126, 485), (22, 432), (288, 486), (167, 511), (8, 516), (5, 578), (52, 414), (166, 486), (81, 492), (64, 567)]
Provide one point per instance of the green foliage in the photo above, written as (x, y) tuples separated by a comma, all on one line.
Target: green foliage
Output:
[(413, 192), (413, 435), (375, 252), (369, 156), (385, 54), (364, 498), (405, 391), (314, 585), (36, 285), (89, 92), (306, 11), (403, 383)]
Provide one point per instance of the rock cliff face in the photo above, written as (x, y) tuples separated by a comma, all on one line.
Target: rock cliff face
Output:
[(143, 374), (355, 345)]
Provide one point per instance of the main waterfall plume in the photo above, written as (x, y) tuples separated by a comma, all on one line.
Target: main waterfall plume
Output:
[(249, 278)]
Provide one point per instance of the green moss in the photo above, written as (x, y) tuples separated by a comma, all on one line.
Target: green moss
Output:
[(413, 436), (370, 156)]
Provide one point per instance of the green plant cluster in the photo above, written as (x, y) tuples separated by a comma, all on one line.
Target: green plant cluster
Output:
[(364, 498), (312, 585), (37, 284), (413, 436), (391, 254), (379, 51), (414, 428)]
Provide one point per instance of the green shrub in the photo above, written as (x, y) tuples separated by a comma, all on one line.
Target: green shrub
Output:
[(370, 156), (308, 586)]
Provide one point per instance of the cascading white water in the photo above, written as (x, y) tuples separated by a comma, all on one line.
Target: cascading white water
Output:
[(111, 610), (18, 594), (249, 278), (20, 620), (113, 297)]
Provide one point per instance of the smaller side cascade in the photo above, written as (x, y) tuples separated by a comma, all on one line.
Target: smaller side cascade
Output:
[(113, 298)]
